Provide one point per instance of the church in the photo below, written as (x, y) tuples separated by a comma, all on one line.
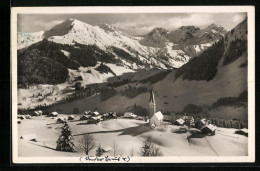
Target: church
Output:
[(155, 118)]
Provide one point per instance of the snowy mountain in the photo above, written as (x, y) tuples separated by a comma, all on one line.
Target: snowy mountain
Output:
[(27, 39), (154, 50), (189, 39)]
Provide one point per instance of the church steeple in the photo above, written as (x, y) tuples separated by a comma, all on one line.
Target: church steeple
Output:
[(151, 96), (152, 105)]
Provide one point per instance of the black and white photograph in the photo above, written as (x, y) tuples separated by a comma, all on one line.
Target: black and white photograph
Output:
[(133, 84)]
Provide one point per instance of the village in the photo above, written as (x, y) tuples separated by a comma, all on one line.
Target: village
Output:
[(184, 125)]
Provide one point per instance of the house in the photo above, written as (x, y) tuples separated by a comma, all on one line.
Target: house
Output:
[(71, 117), (129, 115), (94, 120), (87, 112), (209, 129), (54, 114), (20, 117), (37, 113), (179, 122), (61, 119), (28, 116), (95, 113), (85, 117), (156, 119), (201, 123), (243, 131)]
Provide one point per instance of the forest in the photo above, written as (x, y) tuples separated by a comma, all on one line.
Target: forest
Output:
[(204, 66), (79, 55)]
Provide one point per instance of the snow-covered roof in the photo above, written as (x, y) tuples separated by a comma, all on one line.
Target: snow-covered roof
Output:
[(96, 113), (159, 115), (180, 121), (244, 130), (211, 127)]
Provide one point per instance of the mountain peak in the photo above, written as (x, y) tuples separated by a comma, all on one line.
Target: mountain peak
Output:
[(106, 27)]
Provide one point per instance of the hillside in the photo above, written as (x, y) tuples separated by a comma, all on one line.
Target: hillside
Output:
[(175, 91)]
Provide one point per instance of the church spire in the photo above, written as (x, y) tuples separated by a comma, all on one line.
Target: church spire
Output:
[(151, 96)]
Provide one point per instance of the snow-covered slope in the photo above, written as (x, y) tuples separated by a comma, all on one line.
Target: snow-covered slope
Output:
[(27, 39)]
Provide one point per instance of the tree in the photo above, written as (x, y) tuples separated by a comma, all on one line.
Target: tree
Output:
[(99, 151), (87, 143), (148, 149), (132, 152), (64, 143), (116, 150)]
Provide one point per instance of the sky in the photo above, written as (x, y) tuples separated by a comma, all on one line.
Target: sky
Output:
[(134, 24)]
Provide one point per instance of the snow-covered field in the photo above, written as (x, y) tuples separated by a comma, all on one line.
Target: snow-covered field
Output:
[(129, 134)]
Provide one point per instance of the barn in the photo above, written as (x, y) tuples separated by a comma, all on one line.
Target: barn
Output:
[(156, 119)]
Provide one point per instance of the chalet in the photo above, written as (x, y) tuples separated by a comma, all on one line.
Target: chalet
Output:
[(61, 119), (201, 123), (20, 117), (179, 122), (129, 115), (28, 116), (71, 117), (94, 120), (156, 119), (37, 113), (243, 131), (209, 129), (95, 113), (85, 117), (54, 114), (87, 112)]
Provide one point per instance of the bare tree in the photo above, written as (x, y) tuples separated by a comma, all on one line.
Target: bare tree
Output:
[(115, 149), (132, 152), (87, 143)]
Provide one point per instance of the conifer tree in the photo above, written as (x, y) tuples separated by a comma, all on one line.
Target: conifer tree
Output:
[(99, 151), (64, 143)]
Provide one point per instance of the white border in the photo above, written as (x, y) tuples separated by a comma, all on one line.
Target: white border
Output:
[(140, 9)]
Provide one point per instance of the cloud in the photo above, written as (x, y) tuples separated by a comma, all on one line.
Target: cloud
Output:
[(47, 25), (144, 23), (238, 18)]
